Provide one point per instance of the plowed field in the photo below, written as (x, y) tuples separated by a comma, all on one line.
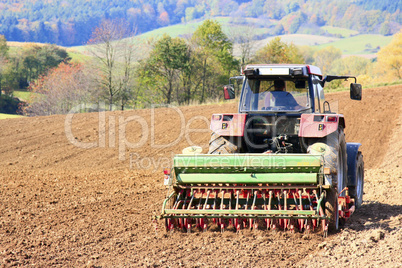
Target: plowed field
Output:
[(81, 191)]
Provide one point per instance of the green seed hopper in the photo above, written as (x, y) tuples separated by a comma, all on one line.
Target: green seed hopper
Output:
[(284, 191)]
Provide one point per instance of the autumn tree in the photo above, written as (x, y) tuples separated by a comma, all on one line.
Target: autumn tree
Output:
[(21, 68), (308, 53), (60, 90), (113, 57), (324, 58), (352, 65), (390, 56), (277, 51)]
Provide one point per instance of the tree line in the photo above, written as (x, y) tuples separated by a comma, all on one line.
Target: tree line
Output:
[(177, 71), (70, 23)]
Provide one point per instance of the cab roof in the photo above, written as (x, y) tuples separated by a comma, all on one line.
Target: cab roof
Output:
[(275, 69)]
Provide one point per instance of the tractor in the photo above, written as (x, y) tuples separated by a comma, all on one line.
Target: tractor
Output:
[(281, 162)]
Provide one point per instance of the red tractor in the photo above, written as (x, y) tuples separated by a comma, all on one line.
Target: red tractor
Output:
[(280, 162)]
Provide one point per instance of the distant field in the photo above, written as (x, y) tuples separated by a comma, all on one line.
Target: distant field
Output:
[(174, 30), (7, 116), (337, 30), (302, 39), (77, 56), (22, 95), (360, 44), (352, 44), (183, 30)]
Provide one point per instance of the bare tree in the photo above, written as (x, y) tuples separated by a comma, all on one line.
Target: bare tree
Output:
[(113, 55), (3, 57), (127, 86), (243, 39)]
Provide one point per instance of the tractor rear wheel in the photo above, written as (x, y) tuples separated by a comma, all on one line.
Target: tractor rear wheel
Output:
[(221, 145), (356, 191)]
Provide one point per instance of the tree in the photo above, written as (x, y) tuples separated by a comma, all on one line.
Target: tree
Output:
[(279, 30), (297, 21), (10, 77), (60, 90), (308, 54), (324, 58), (36, 60), (109, 48), (212, 44), (162, 69), (191, 78), (352, 65), (127, 81), (390, 56), (386, 28), (3, 46), (244, 38), (3, 56), (277, 51)]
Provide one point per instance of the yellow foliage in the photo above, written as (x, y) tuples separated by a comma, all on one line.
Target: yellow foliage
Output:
[(324, 58), (277, 51), (390, 57), (365, 80)]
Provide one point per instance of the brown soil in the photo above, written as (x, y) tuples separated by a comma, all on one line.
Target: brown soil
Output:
[(61, 205)]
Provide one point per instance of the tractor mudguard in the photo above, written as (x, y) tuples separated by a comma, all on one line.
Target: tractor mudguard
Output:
[(352, 150), (319, 125), (231, 125)]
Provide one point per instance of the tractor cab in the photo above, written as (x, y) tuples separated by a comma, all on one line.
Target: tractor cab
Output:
[(270, 90), (273, 100)]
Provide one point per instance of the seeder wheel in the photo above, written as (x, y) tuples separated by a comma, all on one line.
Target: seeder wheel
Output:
[(169, 225)]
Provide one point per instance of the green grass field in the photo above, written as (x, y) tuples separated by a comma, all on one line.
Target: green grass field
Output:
[(22, 95), (183, 30), (351, 44), (302, 39), (77, 56), (360, 44), (341, 31), (8, 116)]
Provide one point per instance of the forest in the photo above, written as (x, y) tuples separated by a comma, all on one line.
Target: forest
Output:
[(70, 23), (179, 70)]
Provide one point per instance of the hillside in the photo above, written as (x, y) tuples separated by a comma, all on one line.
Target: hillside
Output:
[(70, 23), (359, 45), (69, 206)]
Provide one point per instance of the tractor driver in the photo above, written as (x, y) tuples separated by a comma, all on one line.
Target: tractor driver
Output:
[(280, 98)]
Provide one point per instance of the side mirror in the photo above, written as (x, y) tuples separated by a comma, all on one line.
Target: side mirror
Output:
[(229, 92), (355, 91)]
